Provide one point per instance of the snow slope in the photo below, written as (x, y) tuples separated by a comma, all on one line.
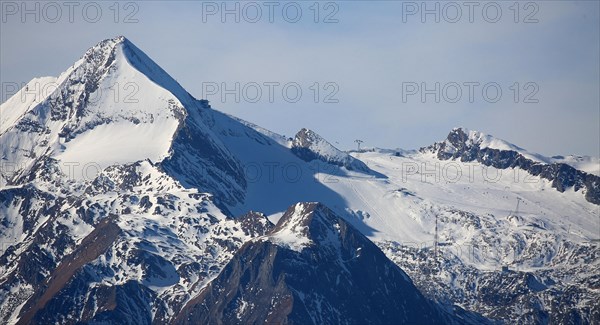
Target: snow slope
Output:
[(401, 207), (585, 163), (105, 99), (33, 92)]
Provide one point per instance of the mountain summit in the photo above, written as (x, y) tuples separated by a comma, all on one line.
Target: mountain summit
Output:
[(474, 146), (116, 106), (309, 146), (312, 268)]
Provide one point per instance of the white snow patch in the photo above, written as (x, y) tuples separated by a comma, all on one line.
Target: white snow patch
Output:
[(117, 143)]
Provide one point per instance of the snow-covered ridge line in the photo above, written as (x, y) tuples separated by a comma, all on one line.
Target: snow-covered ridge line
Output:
[(308, 146), (469, 146), (587, 164), (483, 140), (590, 165)]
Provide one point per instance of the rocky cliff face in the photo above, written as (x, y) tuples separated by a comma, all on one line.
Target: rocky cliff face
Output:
[(312, 268)]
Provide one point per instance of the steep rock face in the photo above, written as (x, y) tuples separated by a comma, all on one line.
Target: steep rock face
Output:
[(308, 146), (198, 161), (255, 224), (313, 268), (92, 246), (471, 146)]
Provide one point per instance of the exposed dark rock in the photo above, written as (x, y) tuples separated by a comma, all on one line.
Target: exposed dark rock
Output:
[(340, 277), (90, 248), (255, 224), (562, 176), (197, 161)]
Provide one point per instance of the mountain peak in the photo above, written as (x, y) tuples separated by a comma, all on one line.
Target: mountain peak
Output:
[(120, 38), (467, 136), (115, 52), (341, 272), (309, 146), (468, 146), (103, 53), (302, 215), (460, 129), (103, 111), (111, 42), (461, 140), (308, 223), (473, 136)]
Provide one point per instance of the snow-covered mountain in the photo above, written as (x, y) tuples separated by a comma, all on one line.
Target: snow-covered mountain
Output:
[(123, 199), (92, 121), (305, 271), (471, 146)]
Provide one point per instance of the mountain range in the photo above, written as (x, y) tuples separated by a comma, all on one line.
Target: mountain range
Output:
[(125, 200)]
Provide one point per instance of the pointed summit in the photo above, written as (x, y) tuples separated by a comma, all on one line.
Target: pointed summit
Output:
[(102, 111), (304, 224), (115, 106), (340, 278), (308, 146), (119, 48), (100, 55)]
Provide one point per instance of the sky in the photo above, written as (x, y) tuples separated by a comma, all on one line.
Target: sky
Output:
[(393, 74)]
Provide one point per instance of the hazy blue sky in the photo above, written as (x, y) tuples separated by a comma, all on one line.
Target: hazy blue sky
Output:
[(372, 56)]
